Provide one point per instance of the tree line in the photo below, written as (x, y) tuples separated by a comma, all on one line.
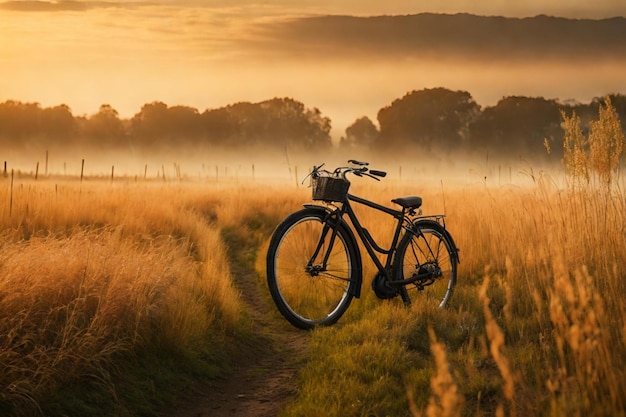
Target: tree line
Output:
[(278, 122), (432, 120), (440, 120)]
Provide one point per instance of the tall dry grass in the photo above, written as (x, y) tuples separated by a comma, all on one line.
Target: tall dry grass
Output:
[(95, 277), (536, 325)]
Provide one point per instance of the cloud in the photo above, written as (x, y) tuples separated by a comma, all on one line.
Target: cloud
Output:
[(57, 6)]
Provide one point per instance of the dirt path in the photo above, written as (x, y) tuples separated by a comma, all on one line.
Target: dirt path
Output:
[(264, 377)]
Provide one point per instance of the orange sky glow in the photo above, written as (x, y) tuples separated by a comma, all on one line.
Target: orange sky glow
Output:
[(199, 54)]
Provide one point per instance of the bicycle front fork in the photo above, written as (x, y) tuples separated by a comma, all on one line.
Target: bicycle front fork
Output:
[(313, 269)]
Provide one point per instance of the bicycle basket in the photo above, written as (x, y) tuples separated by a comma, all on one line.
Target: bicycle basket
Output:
[(330, 188)]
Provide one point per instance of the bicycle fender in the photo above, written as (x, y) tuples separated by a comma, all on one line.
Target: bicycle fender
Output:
[(358, 268), (437, 225)]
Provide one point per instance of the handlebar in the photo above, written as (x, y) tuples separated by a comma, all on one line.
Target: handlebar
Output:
[(359, 170)]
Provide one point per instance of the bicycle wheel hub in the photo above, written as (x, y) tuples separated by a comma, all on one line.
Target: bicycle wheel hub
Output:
[(314, 270), (382, 288), (426, 275)]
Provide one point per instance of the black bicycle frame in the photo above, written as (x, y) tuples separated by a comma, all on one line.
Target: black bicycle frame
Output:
[(372, 247), (368, 241)]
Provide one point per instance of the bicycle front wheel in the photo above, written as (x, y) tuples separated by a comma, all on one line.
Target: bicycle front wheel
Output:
[(311, 269), (428, 257)]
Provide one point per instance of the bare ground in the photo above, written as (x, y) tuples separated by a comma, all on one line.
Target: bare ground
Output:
[(264, 375)]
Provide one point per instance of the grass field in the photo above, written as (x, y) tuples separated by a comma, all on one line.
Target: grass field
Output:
[(536, 326), (111, 292)]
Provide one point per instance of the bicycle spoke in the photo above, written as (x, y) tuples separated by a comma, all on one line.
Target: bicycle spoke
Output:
[(336, 277)]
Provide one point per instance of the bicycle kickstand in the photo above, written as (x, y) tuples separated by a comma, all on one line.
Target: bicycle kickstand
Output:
[(405, 296)]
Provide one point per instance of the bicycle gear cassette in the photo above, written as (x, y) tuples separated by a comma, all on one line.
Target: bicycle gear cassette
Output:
[(382, 289)]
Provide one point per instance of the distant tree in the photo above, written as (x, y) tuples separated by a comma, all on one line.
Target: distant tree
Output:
[(287, 122), (105, 127), (518, 125), (148, 127), (159, 125), (430, 118), (250, 124), (316, 130), (274, 123), (362, 132), (20, 122), (58, 124), (219, 125), (185, 124)]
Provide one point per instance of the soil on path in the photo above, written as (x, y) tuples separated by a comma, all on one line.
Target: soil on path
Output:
[(264, 374)]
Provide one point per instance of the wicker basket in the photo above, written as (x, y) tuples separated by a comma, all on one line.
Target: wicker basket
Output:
[(330, 188)]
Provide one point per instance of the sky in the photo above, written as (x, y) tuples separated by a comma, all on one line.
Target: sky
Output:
[(208, 54)]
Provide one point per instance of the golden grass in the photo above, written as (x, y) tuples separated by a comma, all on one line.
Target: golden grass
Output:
[(536, 326), (93, 271)]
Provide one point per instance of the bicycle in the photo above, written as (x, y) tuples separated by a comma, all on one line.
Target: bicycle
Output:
[(314, 265)]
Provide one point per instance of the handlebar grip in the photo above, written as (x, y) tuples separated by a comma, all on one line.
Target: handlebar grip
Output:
[(378, 173)]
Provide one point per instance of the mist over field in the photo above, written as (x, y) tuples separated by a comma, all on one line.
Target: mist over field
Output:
[(193, 61), (428, 134)]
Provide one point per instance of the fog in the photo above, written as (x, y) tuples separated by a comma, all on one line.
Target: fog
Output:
[(414, 170), (343, 91), (210, 57)]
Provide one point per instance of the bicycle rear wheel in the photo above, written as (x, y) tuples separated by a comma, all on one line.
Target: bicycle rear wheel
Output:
[(428, 255), (307, 290)]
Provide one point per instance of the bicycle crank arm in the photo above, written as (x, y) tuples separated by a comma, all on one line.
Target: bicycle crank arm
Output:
[(419, 277)]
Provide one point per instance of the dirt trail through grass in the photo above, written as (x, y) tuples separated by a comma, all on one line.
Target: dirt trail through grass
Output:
[(263, 378)]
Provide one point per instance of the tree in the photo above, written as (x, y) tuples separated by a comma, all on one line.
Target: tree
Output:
[(58, 123), (317, 130), (105, 127), (148, 126), (517, 125), (219, 125), (274, 123), (430, 118), (20, 122), (185, 124), (159, 125), (362, 132)]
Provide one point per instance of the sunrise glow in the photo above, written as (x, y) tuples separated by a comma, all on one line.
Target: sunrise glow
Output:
[(211, 54)]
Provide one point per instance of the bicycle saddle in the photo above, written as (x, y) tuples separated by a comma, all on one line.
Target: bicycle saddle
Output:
[(413, 202)]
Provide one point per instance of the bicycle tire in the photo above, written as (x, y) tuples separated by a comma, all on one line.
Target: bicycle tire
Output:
[(428, 249), (308, 300)]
